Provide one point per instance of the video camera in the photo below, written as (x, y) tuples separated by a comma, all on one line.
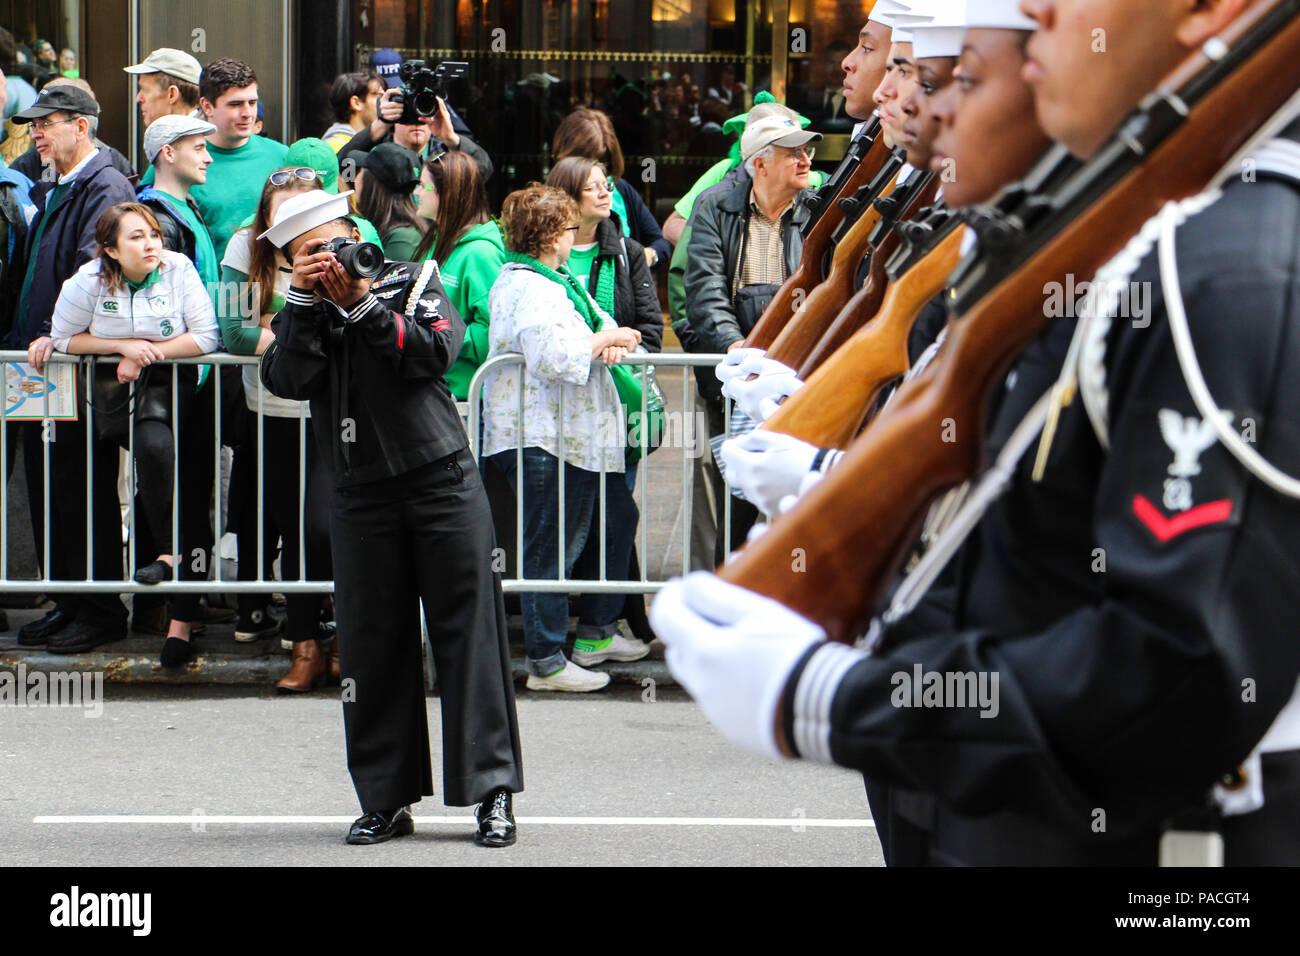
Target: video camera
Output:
[(422, 86)]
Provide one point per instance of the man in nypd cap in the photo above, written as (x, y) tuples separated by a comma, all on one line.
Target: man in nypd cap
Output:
[(409, 524)]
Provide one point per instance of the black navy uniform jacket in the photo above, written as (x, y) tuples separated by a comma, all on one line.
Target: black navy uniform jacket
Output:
[(1138, 604), (374, 377)]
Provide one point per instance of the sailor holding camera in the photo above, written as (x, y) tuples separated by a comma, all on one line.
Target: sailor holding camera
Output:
[(367, 342)]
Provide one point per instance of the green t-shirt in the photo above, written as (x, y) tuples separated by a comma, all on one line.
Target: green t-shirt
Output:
[(580, 262), (235, 181), (714, 175), (208, 265), (467, 274)]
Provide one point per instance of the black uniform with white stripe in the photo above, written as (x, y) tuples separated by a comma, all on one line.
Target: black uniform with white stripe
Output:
[(410, 524), (1137, 605)]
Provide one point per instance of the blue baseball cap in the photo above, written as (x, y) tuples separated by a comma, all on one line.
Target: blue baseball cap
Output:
[(385, 64)]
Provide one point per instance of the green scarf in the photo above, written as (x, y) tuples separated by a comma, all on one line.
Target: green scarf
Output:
[(627, 380)]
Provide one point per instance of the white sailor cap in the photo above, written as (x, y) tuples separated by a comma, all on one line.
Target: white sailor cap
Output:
[(916, 12), (946, 33), (943, 33), (884, 10), (303, 213)]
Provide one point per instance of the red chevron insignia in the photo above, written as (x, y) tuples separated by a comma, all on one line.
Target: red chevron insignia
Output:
[(1166, 529)]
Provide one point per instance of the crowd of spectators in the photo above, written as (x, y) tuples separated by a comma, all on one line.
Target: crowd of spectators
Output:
[(176, 262)]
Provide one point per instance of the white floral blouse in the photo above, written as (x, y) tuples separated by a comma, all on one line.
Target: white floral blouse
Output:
[(532, 315)]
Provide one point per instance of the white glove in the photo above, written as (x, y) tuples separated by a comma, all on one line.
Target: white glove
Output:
[(733, 651), (729, 367), (767, 466), (768, 404), (774, 381), (789, 501)]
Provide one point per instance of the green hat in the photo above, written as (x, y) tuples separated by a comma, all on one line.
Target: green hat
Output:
[(316, 154), (736, 125)]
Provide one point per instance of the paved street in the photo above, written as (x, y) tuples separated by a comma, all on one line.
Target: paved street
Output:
[(202, 753)]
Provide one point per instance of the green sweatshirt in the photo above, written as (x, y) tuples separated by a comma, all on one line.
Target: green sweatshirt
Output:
[(467, 275)]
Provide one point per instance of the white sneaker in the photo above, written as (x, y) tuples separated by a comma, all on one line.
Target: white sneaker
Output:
[(619, 648), (571, 678)]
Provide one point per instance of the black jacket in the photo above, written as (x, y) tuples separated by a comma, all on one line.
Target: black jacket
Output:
[(176, 232), (1127, 601), (718, 224), (374, 377), (68, 241), (636, 302), (641, 223)]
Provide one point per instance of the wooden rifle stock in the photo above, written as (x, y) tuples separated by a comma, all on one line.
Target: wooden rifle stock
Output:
[(830, 408), (867, 301), (812, 261), (854, 528), (816, 313)]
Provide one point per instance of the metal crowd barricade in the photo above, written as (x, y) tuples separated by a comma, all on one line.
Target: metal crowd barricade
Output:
[(214, 581), (683, 430), (689, 436)]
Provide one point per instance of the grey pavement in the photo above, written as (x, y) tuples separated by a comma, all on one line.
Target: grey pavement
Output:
[(200, 753)]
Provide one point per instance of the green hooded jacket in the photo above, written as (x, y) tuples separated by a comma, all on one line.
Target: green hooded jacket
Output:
[(467, 275)]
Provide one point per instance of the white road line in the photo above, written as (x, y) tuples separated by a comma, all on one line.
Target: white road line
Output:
[(190, 819)]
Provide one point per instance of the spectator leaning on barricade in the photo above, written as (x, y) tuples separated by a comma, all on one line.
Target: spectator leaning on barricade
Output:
[(60, 240), (354, 100), (612, 269), (241, 160), (148, 304), (744, 243), (468, 248), (590, 133), (541, 311), (386, 179), (257, 265), (167, 83), (30, 163)]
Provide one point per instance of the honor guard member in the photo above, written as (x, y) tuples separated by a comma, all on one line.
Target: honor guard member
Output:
[(1121, 616), (367, 342)]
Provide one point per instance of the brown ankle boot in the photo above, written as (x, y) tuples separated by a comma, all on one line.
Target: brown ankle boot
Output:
[(307, 670)]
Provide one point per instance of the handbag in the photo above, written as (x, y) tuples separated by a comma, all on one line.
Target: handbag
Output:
[(147, 398)]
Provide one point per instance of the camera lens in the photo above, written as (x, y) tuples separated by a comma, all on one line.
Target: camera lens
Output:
[(426, 103)]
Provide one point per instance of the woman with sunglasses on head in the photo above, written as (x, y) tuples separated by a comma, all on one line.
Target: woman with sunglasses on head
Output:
[(257, 265), (468, 248), (147, 304), (386, 178), (613, 270)]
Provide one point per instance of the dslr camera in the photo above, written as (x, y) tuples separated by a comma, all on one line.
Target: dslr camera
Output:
[(361, 260), (422, 86)]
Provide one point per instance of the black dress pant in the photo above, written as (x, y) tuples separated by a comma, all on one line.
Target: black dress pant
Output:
[(281, 441), (425, 537), (70, 526)]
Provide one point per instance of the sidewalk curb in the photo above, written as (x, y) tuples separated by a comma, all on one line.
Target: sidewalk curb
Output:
[(260, 671)]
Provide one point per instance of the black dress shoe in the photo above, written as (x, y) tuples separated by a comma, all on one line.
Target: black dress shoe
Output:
[(496, 819), (155, 572), (83, 636), (39, 631), (381, 826)]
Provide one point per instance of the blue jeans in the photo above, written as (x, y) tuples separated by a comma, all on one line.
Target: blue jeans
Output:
[(546, 615)]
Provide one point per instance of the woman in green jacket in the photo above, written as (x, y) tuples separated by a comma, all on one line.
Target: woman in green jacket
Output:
[(468, 248)]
